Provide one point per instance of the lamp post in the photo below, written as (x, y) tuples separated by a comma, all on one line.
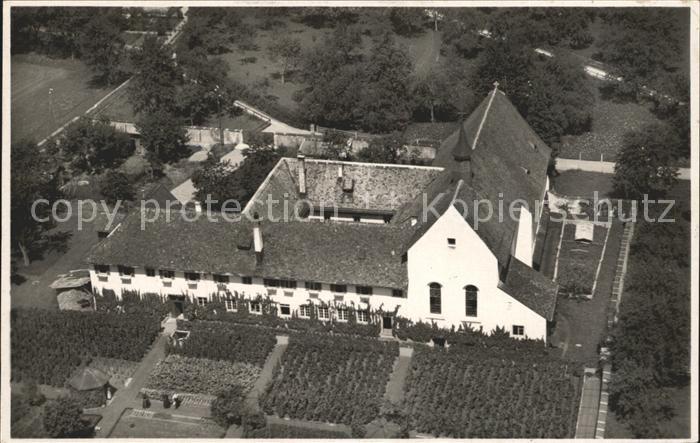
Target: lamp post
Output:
[(53, 117), (219, 94)]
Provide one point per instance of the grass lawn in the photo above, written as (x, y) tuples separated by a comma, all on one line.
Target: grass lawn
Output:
[(116, 107), (165, 426), (579, 260), (577, 183), (254, 68), (611, 120), (35, 113)]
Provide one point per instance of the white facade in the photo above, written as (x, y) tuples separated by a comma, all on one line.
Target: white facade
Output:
[(450, 254)]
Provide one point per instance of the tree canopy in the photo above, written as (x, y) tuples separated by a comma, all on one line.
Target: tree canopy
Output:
[(35, 175), (645, 164), (93, 146), (62, 417), (157, 75), (163, 135)]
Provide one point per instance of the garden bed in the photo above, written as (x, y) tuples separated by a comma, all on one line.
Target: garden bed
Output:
[(331, 379), (578, 260), (285, 430), (47, 346), (469, 395), (180, 374)]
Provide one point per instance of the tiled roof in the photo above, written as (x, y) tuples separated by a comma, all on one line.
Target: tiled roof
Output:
[(331, 252), (531, 288), (374, 186)]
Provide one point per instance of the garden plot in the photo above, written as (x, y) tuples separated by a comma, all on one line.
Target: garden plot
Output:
[(181, 374), (331, 379), (118, 370), (136, 423), (579, 260), (481, 394)]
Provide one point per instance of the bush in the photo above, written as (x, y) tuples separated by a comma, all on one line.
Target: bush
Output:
[(115, 186), (19, 407), (227, 408), (252, 420), (135, 167), (62, 417)]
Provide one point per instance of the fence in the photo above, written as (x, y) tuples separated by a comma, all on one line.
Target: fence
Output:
[(198, 135), (568, 164)]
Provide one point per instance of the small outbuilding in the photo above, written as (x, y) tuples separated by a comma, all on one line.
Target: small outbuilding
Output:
[(584, 232)]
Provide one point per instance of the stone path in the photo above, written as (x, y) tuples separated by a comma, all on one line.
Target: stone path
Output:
[(397, 380), (129, 396), (588, 408), (620, 270)]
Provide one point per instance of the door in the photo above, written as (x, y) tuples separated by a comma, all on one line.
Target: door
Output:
[(178, 304), (386, 322)]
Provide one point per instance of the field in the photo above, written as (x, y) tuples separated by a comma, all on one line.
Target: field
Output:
[(330, 379), (134, 424), (35, 112), (461, 394), (578, 261), (254, 68), (280, 430), (611, 120), (576, 183)]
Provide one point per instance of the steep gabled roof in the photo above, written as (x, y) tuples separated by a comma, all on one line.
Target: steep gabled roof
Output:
[(531, 288)]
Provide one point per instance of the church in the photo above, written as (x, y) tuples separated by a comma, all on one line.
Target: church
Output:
[(450, 243)]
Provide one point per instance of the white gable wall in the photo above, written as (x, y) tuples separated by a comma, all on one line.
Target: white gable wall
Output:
[(469, 262), (525, 242)]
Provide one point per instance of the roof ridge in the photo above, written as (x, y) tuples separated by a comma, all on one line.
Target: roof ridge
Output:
[(375, 165), (486, 113)]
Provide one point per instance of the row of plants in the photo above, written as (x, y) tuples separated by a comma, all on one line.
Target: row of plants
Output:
[(476, 395), (279, 430), (177, 373), (134, 301), (330, 379), (47, 346), (216, 310), (498, 342), (217, 340)]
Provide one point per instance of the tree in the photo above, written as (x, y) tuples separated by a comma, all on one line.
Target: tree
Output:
[(407, 21), (227, 408), (461, 31), (163, 136), (222, 182), (387, 149), (644, 165), (93, 146), (432, 91), (102, 48), (62, 417), (154, 87), (34, 176), (115, 186), (385, 98), (286, 51)]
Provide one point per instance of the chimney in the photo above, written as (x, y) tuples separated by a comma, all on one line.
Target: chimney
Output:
[(340, 171), (301, 169), (257, 242)]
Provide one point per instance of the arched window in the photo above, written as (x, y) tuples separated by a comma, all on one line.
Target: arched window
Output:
[(435, 298), (471, 295)]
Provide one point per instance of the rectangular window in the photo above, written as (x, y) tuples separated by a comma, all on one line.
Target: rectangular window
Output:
[(518, 330), (397, 293), (339, 288), (323, 313), (364, 290), (288, 284), (164, 273), (150, 272), (362, 316), (192, 276), (285, 310), (271, 291), (271, 282), (339, 298), (305, 311), (247, 280), (452, 242), (221, 278), (126, 271), (342, 314), (231, 305), (364, 300), (313, 286), (201, 301), (102, 269), (255, 307), (435, 298)]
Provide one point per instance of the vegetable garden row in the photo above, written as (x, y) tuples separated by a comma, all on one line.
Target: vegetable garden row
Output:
[(47, 346), (479, 395), (331, 379)]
